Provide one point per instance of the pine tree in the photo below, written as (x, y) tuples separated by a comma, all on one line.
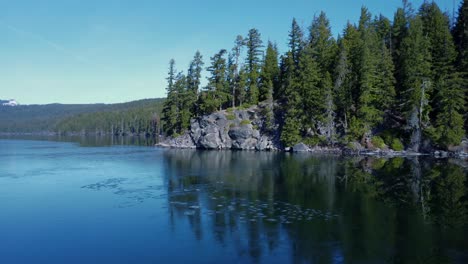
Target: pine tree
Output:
[(293, 87), (193, 82), (449, 120), (291, 101), (269, 79), (399, 32), (241, 85), (232, 74), (185, 103), (328, 122), (385, 79), (312, 96), (442, 48), (270, 73), (296, 41), (460, 35), (217, 93), (345, 87), (194, 73), (447, 97), (234, 68), (324, 48), (170, 109), (384, 30), (341, 89), (368, 113), (253, 42), (416, 82)]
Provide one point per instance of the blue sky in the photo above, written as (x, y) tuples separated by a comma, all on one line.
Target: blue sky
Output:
[(89, 51)]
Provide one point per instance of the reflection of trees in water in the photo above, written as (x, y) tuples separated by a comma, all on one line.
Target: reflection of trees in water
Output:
[(448, 200), (386, 207), (437, 188), (425, 194)]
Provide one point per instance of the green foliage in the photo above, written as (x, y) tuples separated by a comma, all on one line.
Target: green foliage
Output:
[(460, 35), (216, 95), (311, 93), (351, 146), (313, 141), (378, 164), (322, 43), (194, 72), (449, 120), (296, 41), (290, 133), (291, 130), (416, 81), (40, 118), (170, 109), (397, 145), (378, 142), (140, 117), (253, 43), (390, 137), (245, 122), (269, 75), (356, 128), (230, 117)]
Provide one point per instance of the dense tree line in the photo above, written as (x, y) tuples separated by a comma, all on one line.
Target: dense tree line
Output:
[(142, 118), (380, 82), (136, 117)]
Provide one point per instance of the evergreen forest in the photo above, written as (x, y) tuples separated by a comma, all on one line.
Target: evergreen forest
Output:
[(400, 81)]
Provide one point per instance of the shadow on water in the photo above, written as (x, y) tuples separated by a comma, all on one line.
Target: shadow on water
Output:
[(326, 209)]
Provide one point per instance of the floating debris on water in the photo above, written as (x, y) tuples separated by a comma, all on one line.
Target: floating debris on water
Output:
[(190, 213), (107, 184)]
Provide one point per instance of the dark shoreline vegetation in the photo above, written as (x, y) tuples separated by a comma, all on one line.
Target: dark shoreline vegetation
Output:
[(381, 85)]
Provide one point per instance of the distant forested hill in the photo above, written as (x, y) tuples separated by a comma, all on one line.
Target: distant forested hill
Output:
[(79, 117)]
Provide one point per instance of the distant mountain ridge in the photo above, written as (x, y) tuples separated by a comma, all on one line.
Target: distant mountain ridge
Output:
[(46, 118)]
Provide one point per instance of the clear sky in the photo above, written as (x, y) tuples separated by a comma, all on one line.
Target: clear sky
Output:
[(91, 51)]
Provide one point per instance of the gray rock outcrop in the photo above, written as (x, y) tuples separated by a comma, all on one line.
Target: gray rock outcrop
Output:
[(235, 129)]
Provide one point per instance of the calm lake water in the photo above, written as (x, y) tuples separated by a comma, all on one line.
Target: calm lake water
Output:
[(64, 202)]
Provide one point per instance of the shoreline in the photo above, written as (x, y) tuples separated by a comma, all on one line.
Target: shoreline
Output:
[(299, 148), (336, 152)]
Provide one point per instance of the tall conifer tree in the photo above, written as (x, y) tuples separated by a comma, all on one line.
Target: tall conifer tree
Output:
[(253, 43), (416, 82)]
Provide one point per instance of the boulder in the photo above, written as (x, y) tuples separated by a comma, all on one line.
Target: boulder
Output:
[(300, 147)]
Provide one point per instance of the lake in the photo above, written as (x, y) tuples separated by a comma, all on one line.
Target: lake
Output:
[(95, 202)]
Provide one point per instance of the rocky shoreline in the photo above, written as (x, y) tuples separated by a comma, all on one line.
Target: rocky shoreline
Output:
[(241, 129)]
